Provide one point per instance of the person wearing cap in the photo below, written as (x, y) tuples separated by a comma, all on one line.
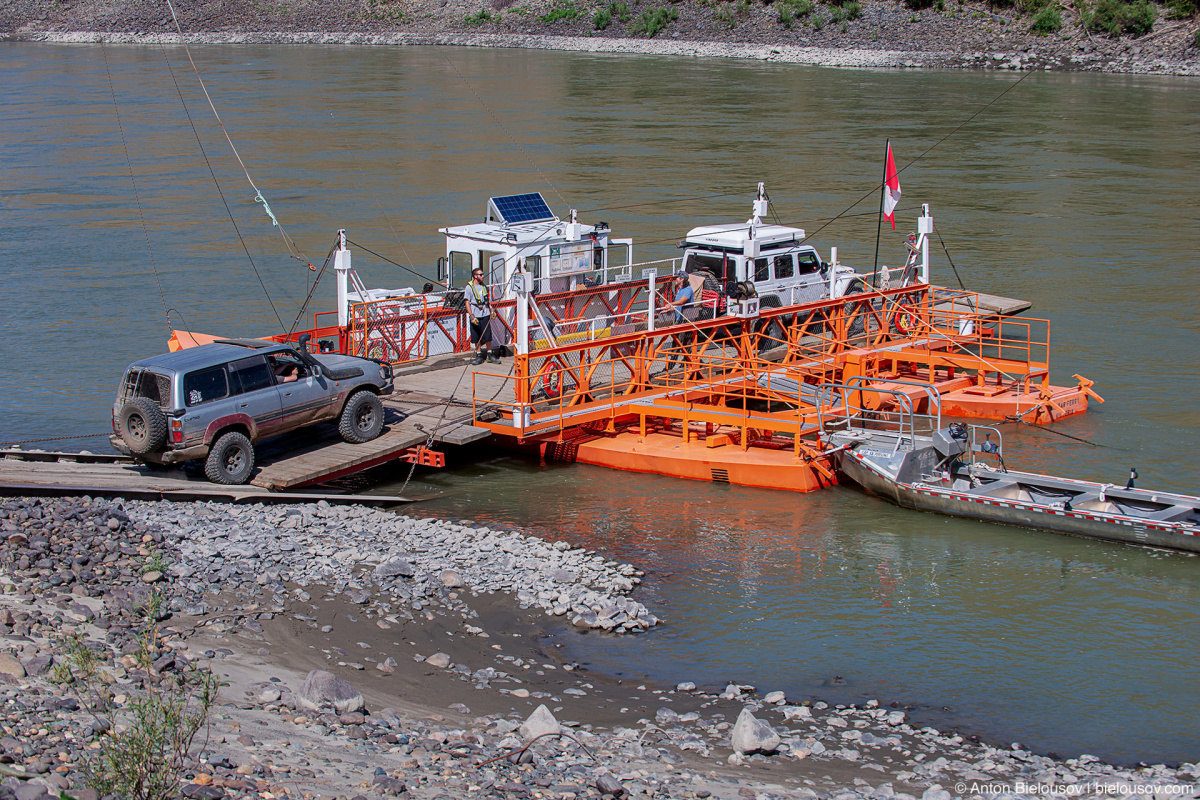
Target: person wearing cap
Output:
[(685, 297), (479, 304)]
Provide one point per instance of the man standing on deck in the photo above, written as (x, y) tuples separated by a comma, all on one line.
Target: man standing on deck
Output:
[(684, 296), (479, 304)]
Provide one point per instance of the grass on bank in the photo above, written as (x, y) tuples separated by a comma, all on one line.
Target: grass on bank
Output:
[(653, 22), (143, 747), (614, 11), (561, 12)]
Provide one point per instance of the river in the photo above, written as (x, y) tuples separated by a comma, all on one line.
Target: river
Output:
[(1077, 192)]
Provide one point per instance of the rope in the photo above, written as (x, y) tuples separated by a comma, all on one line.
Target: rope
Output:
[(948, 258), (292, 248), (519, 750), (136, 194), (54, 439), (500, 125), (217, 183)]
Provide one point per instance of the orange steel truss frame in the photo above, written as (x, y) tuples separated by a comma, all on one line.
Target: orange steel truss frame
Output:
[(752, 379)]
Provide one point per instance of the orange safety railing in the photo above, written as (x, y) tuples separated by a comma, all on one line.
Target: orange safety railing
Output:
[(722, 369)]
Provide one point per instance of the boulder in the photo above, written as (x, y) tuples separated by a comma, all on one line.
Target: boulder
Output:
[(540, 723), (451, 579), (397, 567), (439, 660), (323, 690), (753, 735), (10, 666)]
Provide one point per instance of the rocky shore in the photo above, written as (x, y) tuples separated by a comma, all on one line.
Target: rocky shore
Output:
[(368, 654), (865, 33)]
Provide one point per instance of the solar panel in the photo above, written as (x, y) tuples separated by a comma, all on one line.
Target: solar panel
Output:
[(521, 208)]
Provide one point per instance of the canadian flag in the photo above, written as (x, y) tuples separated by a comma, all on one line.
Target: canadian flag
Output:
[(891, 188)]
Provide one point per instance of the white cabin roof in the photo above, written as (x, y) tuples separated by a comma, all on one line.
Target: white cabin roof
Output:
[(736, 235)]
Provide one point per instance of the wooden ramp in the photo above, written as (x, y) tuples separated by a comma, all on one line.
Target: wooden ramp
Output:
[(67, 474), (989, 303)]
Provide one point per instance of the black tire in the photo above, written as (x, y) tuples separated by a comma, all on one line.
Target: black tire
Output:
[(362, 418), (142, 425), (231, 459)]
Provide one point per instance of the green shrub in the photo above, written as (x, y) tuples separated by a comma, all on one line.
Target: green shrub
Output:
[(1184, 9), (1115, 17), (601, 19), (791, 10), (839, 14), (1196, 40), (478, 19), (561, 12), (652, 22), (819, 21), (1047, 21)]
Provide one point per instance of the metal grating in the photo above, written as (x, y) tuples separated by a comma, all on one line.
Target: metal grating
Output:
[(720, 475), (521, 208)]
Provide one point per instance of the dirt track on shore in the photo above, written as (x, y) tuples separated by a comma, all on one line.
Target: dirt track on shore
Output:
[(887, 34)]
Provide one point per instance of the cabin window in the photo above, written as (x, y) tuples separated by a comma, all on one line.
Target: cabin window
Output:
[(783, 266), (809, 263), (460, 269), (762, 270), (533, 265), (205, 385)]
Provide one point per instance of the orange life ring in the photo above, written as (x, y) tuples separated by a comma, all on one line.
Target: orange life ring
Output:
[(905, 319)]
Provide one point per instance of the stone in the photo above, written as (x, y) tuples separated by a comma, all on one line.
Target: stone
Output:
[(38, 665), (10, 666), (439, 660), (353, 718), (451, 579), (686, 686), (154, 576), (540, 723), (936, 793), (753, 735), (34, 790), (775, 698), (269, 695), (322, 690), (608, 785), (395, 568)]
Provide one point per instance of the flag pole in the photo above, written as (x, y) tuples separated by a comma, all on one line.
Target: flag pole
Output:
[(879, 224)]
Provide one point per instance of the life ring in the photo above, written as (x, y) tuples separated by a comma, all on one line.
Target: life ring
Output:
[(905, 319), (551, 383)]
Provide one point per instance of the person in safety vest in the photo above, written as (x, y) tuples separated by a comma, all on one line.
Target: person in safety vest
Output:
[(479, 304)]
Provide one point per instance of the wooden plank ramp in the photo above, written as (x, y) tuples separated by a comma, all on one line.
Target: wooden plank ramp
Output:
[(990, 303), (63, 475)]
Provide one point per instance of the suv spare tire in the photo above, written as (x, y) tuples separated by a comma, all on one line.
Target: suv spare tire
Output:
[(142, 425), (230, 460), (362, 418)]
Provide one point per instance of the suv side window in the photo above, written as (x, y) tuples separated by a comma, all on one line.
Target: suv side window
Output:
[(250, 375), (762, 269), (287, 367), (783, 266), (809, 263), (205, 385)]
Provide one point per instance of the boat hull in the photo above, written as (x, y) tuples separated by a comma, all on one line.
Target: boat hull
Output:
[(989, 509)]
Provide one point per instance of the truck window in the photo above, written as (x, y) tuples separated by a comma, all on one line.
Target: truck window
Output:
[(783, 266), (809, 263), (698, 263), (205, 385), (762, 269), (250, 375)]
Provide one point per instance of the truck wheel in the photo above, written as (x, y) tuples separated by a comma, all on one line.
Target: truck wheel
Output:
[(142, 425), (362, 418), (230, 460)]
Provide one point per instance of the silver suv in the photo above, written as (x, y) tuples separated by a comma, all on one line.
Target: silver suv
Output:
[(216, 400)]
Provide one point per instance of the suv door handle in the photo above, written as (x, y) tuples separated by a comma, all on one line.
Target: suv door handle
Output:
[(243, 405)]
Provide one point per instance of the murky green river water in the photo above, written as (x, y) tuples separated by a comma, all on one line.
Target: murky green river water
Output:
[(1075, 191)]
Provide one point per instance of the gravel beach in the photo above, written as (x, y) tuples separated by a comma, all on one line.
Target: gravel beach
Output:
[(369, 654), (873, 33)]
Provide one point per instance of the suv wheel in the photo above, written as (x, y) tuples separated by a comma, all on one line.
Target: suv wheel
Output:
[(230, 460), (362, 418), (142, 425)]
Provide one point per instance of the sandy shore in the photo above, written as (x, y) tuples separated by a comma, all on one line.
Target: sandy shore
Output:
[(349, 674)]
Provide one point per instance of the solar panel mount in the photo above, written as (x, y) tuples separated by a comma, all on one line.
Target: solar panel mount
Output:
[(517, 208)]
